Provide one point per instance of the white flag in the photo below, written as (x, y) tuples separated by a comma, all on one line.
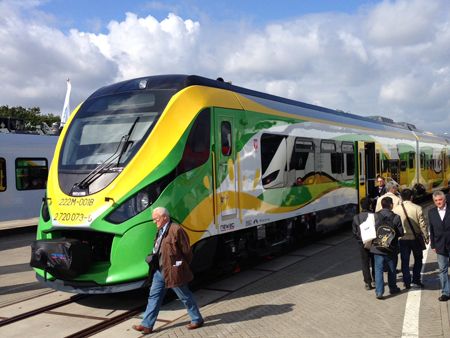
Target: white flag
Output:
[(66, 109)]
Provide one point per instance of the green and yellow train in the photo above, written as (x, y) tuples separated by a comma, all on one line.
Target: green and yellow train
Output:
[(243, 172)]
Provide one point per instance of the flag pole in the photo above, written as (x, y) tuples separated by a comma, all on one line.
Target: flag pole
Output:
[(66, 108)]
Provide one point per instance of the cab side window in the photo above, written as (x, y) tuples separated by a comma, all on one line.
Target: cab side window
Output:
[(197, 149)]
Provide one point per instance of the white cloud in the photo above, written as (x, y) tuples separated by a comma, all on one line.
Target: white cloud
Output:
[(141, 46), (391, 58), (35, 60), (403, 22)]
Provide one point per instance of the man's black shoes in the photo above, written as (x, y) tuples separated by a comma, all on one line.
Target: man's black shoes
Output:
[(394, 291), (418, 285), (443, 298)]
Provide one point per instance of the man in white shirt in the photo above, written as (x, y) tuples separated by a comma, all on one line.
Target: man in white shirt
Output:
[(439, 221)]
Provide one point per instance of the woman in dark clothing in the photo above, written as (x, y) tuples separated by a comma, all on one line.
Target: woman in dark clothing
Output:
[(367, 260)]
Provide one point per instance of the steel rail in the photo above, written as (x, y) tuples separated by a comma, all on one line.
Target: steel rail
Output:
[(41, 310)]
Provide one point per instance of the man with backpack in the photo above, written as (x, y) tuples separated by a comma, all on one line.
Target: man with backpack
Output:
[(385, 247)]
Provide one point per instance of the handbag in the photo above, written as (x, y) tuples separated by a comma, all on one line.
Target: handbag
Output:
[(151, 259), (367, 230), (418, 237)]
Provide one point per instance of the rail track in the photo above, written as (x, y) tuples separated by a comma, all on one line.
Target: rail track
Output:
[(102, 322)]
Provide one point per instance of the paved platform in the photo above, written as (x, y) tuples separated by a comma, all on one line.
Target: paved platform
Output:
[(316, 291)]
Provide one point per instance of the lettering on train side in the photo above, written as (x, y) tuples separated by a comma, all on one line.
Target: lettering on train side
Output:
[(227, 227), (255, 221), (71, 217), (79, 202)]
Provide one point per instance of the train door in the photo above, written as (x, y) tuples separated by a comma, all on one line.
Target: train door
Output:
[(366, 166), (444, 168), (225, 169)]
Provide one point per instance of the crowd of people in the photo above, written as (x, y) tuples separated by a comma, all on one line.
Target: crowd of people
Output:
[(398, 228)]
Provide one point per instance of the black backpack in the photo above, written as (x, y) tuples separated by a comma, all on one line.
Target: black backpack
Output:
[(384, 241)]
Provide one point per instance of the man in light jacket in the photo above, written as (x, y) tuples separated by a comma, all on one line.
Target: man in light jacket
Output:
[(408, 243), (392, 192)]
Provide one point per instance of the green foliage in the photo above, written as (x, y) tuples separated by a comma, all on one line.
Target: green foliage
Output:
[(31, 117)]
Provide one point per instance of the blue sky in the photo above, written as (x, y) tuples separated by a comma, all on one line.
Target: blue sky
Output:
[(386, 57), (95, 14)]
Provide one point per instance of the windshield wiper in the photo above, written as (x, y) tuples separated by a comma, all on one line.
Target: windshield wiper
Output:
[(109, 162), (127, 142)]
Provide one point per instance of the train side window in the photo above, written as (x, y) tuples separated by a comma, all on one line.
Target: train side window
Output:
[(2, 174), (411, 158), (348, 150), (334, 159), (273, 160), (327, 147), (350, 164), (422, 160), (337, 165), (385, 165), (31, 173), (393, 165), (302, 162), (197, 149), (403, 165), (225, 129)]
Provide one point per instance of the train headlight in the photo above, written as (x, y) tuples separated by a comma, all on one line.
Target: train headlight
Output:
[(140, 201), (44, 210), (130, 208)]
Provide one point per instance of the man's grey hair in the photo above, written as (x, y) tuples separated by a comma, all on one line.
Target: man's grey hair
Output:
[(438, 193), (391, 185), (161, 211)]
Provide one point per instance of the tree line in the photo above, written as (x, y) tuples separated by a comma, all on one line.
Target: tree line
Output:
[(30, 117)]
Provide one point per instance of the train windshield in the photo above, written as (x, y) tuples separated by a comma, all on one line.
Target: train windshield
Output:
[(111, 127)]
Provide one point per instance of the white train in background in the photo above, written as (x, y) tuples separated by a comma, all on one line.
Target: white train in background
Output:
[(24, 164)]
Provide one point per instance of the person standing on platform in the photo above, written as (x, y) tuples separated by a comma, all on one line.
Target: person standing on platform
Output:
[(392, 192), (412, 216), (366, 256), (439, 221), (172, 254), (386, 216), (379, 191)]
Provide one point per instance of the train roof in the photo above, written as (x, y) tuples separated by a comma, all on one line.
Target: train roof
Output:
[(177, 82)]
